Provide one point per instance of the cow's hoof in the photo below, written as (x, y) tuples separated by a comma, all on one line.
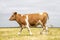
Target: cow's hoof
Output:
[(18, 33), (30, 33), (44, 33), (41, 33)]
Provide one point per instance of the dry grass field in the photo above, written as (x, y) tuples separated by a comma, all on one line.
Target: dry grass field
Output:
[(11, 34)]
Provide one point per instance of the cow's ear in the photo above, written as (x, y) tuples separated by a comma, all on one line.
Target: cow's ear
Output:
[(15, 13)]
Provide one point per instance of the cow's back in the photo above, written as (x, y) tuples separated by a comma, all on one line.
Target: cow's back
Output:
[(34, 18)]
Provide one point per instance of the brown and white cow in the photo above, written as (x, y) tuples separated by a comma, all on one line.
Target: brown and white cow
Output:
[(30, 19)]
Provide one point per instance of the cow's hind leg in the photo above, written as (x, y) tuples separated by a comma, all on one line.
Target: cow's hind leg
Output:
[(41, 25), (45, 30)]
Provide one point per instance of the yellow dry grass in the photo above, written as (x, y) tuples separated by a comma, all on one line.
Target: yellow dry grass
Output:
[(11, 34)]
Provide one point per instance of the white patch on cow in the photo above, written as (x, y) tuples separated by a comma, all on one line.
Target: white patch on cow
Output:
[(41, 13), (27, 20), (40, 22), (27, 24)]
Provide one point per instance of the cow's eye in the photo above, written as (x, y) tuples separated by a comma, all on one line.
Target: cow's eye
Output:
[(12, 16)]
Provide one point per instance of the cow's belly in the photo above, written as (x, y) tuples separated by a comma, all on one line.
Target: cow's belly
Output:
[(33, 22)]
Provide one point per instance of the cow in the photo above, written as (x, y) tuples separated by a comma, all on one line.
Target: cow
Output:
[(30, 19)]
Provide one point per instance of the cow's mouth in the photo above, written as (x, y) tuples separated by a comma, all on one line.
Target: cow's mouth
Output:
[(11, 19)]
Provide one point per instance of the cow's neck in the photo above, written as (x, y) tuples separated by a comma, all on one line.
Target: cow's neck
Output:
[(18, 17)]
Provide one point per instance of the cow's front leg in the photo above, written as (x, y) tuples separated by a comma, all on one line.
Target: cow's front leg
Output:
[(29, 30), (21, 28), (27, 25), (20, 31)]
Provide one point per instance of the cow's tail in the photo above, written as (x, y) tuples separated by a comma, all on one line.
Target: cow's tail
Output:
[(47, 16)]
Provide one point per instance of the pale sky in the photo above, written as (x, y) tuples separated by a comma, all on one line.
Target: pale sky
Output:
[(29, 6)]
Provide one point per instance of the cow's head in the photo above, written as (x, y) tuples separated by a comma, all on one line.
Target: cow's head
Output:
[(13, 17)]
